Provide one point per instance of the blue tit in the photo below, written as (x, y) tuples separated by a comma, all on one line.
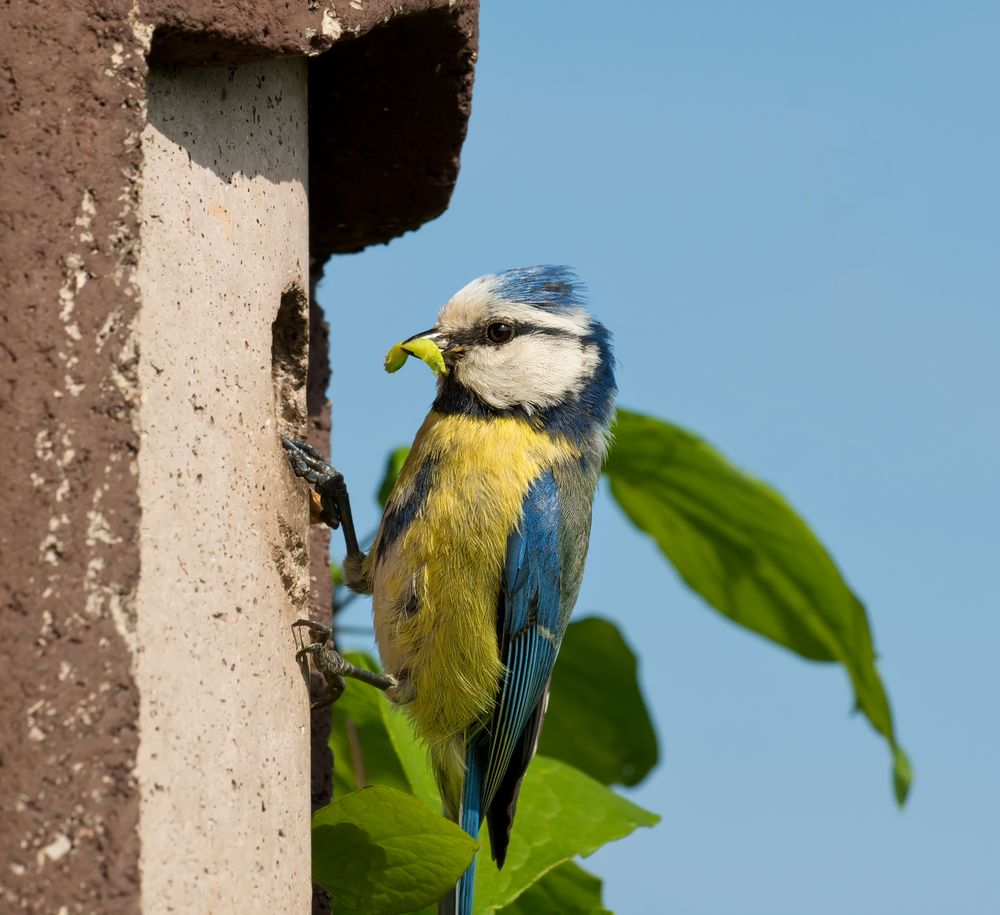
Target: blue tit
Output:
[(478, 558)]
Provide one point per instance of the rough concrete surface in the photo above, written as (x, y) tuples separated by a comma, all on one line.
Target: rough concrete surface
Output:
[(395, 76), (224, 562), (74, 536), (70, 116)]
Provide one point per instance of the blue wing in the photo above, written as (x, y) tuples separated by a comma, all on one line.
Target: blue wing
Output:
[(529, 630)]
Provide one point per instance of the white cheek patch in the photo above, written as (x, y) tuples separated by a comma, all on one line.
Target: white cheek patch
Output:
[(535, 371)]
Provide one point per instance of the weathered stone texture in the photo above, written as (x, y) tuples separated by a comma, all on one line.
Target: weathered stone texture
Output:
[(72, 113), (80, 625)]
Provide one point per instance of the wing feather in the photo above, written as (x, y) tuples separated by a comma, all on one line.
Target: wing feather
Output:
[(530, 624)]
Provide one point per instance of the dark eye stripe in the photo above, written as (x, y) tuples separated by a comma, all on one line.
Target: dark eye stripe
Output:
[(474, 337), (544, 331)]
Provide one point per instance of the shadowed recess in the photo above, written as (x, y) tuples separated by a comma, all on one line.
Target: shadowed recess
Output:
[(289, 336), (387, 117)]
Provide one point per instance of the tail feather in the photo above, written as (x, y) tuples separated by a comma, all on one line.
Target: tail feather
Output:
[(472, 796), (461, 783), (471, 810), (503, 805)]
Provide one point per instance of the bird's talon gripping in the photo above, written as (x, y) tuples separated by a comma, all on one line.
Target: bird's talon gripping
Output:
[(301, 654), (312, 467), (331, 665), (303, 453), (334, 509), (334, 667), (321, 634), (307, 462)]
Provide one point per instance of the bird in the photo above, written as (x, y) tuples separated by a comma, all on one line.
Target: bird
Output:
[(479, 556)]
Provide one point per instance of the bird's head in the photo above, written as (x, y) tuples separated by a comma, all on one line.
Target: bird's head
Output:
[(522, 342)]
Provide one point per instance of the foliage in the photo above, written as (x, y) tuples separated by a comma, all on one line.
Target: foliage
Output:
[(567, 889), (562, 812), (740, 545), (737, 543), (393, 465), (362, 749), (599, 722), (380, 852)]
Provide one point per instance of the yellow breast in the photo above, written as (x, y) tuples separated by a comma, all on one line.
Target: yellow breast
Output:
[(447, 565)]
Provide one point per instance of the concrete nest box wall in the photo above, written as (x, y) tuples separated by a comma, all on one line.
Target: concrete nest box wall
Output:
[(179, 173)]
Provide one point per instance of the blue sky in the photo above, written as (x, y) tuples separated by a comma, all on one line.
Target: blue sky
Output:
[(790, 218)]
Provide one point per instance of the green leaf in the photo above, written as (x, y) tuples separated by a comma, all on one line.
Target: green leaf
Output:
[(741, 546), (372, 738), (380, 852), (393, 465), (411, 753), (363, 752), (902, 774), (568, 889), (561, 813), (597, 719)]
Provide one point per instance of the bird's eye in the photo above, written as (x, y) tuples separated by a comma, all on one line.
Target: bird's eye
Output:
[(499, 332)]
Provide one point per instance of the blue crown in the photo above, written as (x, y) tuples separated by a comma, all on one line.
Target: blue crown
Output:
[(545, 286)]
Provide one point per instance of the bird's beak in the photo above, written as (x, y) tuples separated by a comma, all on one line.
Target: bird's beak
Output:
[(432, 334), (431, 346)]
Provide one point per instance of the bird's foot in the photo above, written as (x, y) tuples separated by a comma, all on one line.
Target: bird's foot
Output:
[(307, 462), (312, 467), (334, 667), (320, 634), (327, 661)]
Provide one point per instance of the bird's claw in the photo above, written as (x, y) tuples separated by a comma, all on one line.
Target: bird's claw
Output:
[(312, 467), (321, 634), (329, 662), (335, 667), (307, 462)]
